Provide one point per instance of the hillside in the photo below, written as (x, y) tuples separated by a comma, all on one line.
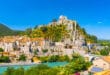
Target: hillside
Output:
[(59, 30), (5, 31), (63, 29)]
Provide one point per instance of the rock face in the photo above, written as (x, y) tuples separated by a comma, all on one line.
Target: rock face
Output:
[(75, 37), (76, 42)]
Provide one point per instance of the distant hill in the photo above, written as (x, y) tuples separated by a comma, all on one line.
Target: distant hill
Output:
[(6, 31), (104, 42)]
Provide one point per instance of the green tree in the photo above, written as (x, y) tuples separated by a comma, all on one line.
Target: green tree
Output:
[(67, 58), (44, 59), (75, 56), (1, 50), (104, 42), (104, 52), (5, 59), (91, 38), (41, 70), (28, 31), (9, 71), (63, 58), (45, 50), (53, 58), (37, 33), (22, 57), (36, 52), (52, 33), (78, 64), (19, 71)]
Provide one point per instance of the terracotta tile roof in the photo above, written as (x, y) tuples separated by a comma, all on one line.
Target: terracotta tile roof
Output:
[(106, 58), (1, 39), (8, 39), (36, 39), (22, 39), (106, 72)]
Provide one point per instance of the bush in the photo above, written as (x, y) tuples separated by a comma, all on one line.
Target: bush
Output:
[(1, 50), (45, 50), (104, 52), (37, 70), (78, 64), (5, 59), (63, 58), (22, 57), (53, 58)]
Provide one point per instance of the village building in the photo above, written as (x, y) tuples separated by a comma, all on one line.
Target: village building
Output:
[(75, 43), (102, 62)]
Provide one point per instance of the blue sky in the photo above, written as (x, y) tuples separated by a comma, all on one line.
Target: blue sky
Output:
[(93, 15)]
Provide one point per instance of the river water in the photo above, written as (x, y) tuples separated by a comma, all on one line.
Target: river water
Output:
[(50, 64)]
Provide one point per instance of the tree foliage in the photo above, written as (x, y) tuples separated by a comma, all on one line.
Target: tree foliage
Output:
[(104, 42), (55, 58), (78, 64), (45, 50), (4, 59), (22, 57), (1, 50), (104, 52), (52, 33), (37, 70)]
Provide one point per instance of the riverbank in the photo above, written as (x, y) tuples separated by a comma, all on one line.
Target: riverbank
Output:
[(17, 64), (27, 65)]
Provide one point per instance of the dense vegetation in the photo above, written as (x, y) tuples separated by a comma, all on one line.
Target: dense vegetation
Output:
[(54, 58), (1, 50), (75, 65), (52, 33), (22, 57), (88, 38), (56, 33), (4, 59), (104, 42), (105, 52), (37, 70)]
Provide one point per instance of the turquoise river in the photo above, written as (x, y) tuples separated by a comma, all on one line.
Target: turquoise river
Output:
[(51, 64)]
